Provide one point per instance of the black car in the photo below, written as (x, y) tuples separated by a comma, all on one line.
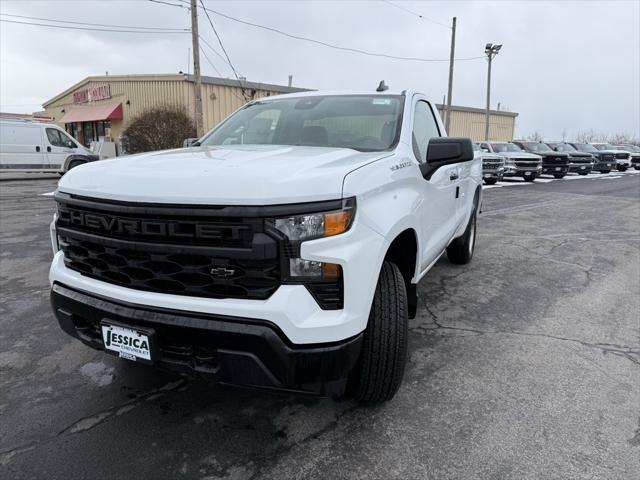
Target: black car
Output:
[(553, 163), (603, 162), (579, 162)]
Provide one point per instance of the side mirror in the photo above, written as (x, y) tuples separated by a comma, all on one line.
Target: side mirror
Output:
[(190, 142), (446, 151), (70, 144)]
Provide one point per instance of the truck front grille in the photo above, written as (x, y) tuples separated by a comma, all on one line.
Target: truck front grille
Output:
[(527, 163), (175, 250), (622, 156)]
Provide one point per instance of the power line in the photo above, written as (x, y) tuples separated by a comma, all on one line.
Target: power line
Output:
[(216, 52), (96, 24), (224, 50), (169, 3), (68, 27), (329, 45), (416, 14), (209, 60)]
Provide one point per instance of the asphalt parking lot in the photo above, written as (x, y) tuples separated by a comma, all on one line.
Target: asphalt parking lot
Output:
[(525, 364)]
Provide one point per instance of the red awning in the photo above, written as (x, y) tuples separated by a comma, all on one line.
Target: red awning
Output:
[(111, 111)]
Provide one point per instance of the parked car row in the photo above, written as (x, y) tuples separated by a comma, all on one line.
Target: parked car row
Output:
[(529, 159)]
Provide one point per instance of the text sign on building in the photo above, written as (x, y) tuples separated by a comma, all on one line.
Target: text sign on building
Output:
[(92, 94)]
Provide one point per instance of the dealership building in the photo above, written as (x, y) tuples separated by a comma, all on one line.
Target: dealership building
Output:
[(101, 107)]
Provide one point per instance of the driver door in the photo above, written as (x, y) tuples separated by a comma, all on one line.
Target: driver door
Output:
[(438, 209), (57, 147)]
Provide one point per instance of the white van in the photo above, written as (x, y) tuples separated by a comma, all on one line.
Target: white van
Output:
[(27, 146)]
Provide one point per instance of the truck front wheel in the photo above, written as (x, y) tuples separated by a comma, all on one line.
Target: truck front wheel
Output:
[(379, 372)]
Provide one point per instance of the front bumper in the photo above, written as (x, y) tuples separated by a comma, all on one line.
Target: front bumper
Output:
[(517, 171), (496, 173), (232, 350), (552, 169), (580, 167)]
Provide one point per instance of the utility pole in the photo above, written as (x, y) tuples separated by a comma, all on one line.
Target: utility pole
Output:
[(490, 51), (447, 120), (196, 68)]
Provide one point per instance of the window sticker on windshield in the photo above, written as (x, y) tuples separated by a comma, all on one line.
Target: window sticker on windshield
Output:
[(381, 101)]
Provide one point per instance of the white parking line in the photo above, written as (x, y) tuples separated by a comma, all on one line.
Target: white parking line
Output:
[(48, 194)]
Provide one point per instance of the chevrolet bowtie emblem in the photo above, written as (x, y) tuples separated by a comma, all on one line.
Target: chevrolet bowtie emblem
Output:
[(222, 272)]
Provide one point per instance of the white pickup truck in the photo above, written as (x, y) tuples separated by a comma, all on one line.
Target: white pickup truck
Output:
[(281, 251)]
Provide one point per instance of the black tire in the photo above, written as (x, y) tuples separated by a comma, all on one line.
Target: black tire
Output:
[(460, 251), (529, 178), (637, 167), (74, 164), (379, 372), (583, 173), (621, 168), (490, 181), (605, 171), (558, 175)]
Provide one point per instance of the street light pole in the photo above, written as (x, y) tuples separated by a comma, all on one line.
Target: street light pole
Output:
[(490, 51)]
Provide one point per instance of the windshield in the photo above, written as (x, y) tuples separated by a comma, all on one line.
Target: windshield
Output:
[(565, 147), (505, 147), (628, 148), (362, 122), (604, 146), (585, 147), (538, 147)]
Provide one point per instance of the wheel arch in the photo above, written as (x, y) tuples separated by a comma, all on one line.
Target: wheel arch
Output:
[(403, 251)]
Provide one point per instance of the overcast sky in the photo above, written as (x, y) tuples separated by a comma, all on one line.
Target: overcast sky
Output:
[(572, 65)]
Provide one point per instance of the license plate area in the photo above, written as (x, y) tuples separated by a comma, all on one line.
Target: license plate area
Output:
[(132, 343)]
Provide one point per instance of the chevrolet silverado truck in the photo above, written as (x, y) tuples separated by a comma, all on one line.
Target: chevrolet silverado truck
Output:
[(492, 165), (553, 163), (634, 151), (622, 157), (579, 162), (602, 162), (281, 251), (517, 162)]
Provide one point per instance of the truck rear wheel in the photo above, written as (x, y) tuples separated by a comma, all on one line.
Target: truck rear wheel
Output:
[(558, 175), (490, 181), (622, 168), (529, 178), (380, 369)]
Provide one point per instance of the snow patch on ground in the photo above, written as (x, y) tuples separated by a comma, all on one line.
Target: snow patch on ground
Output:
[(98, 373)]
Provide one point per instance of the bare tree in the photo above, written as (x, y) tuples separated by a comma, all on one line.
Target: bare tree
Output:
[(159, 128), (588, 136), (535, 137), (622, 139)]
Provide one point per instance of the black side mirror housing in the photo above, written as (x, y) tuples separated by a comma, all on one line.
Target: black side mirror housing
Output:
[(446, 151), (190, 142)]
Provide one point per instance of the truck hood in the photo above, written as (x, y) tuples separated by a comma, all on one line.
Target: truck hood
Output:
[(222, 175)]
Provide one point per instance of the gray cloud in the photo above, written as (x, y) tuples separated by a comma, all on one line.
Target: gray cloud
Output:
[(564, 65)]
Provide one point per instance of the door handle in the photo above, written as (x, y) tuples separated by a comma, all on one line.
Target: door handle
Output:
[(37, 149), (453, 176), (48, 149)]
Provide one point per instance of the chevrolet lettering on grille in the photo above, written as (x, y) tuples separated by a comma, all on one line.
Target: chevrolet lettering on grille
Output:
[(154, 228)]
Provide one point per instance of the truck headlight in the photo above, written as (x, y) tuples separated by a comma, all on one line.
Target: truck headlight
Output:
[(295, 229), (317, 225)]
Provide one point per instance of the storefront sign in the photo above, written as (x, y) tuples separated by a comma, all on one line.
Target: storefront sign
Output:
[(92, 94)]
